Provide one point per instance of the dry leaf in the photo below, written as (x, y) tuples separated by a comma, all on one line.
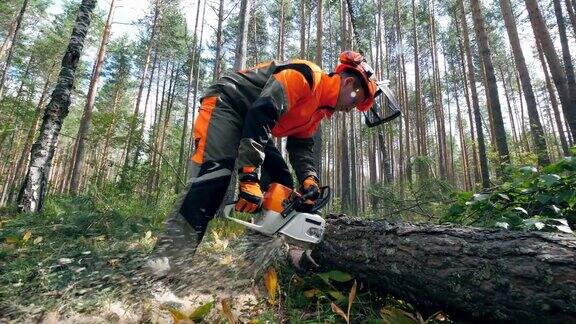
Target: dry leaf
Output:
[(228, 311), (351, 297), (27, 235), (340, 312), (271, 282), (37, 240)]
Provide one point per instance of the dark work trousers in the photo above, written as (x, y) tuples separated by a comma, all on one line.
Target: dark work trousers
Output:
[(217, 135)]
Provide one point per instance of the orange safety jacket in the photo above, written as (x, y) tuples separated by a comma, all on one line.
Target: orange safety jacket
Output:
[(281, 99)]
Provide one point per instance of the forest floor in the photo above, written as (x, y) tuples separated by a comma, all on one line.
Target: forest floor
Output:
[(84, 261)]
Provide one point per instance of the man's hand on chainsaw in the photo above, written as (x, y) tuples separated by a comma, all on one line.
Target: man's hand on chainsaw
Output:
[(311, 189), (250, 196)]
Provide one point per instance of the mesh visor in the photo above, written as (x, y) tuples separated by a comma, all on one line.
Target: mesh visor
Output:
[(385, 106)]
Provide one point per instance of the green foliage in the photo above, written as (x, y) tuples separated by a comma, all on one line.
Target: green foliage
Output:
[(530, 199), (421, 200), (309, 299)]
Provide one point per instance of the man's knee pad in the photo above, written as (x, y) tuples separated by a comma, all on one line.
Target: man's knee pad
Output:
[(206, 193)]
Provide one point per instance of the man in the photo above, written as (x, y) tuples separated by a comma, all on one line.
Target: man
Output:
[(237, 119)]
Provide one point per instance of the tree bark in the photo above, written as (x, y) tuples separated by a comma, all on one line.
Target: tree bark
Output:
[(19, 168), (12, 47), (302, 29), (567, 95), (480, 274), (191, 141), (484, 172), (34, 187), (134, 120), (420, 124), (84, 128), (317, 149), (242, 41), (9, 37), (218, 57), (571, 15), (566, 57), (535, 125), (491, 85), (194, 50), (553, 101)]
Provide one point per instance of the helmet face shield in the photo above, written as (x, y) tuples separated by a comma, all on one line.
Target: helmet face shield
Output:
[(385, 108)]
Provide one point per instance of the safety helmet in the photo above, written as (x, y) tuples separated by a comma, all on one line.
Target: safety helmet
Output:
[(380, 105), (354, 62)]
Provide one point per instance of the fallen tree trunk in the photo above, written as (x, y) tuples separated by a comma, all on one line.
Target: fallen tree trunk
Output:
[(481, 274)]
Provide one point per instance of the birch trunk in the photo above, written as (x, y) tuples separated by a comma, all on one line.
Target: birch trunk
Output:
[(34, 187)]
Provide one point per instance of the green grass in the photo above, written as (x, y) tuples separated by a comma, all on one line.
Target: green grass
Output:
[(82, 252), (76, 253)]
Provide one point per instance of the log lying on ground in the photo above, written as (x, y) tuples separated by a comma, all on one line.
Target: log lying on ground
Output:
[(482, 274)]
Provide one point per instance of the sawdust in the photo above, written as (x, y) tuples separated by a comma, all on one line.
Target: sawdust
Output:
[(229, 270)]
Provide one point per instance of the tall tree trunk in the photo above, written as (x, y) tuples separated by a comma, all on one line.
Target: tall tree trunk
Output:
[(134, 120), (218, 56), (302, 29), (280, 45), (34, 186), (354, 182), (476, 106), (318, 136), (553, 101), (197, 77), (101, 164), (567, 58), (535, 124), (406, 156), (13, 44), (242, 41), (491, 85), (30, 137), (567, 94), (463, 148), (571, 15), (140, 143), (78, 159), (189, 90), (9, 38), (420, 127), (437, 99)]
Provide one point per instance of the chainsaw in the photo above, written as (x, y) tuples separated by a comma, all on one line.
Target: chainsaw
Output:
[(284, 212)]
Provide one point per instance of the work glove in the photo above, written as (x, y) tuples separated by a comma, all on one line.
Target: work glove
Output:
[(311, 188), (250, 196)]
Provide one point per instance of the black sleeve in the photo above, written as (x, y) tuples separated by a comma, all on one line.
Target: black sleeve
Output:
[(301, 152)]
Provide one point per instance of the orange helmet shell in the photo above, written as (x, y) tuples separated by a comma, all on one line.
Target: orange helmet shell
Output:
[(355, 62)]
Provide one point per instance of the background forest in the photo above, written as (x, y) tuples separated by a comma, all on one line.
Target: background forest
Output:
[(487, 90)]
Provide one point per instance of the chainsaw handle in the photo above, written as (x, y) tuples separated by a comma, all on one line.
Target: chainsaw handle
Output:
[(321, 201)]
